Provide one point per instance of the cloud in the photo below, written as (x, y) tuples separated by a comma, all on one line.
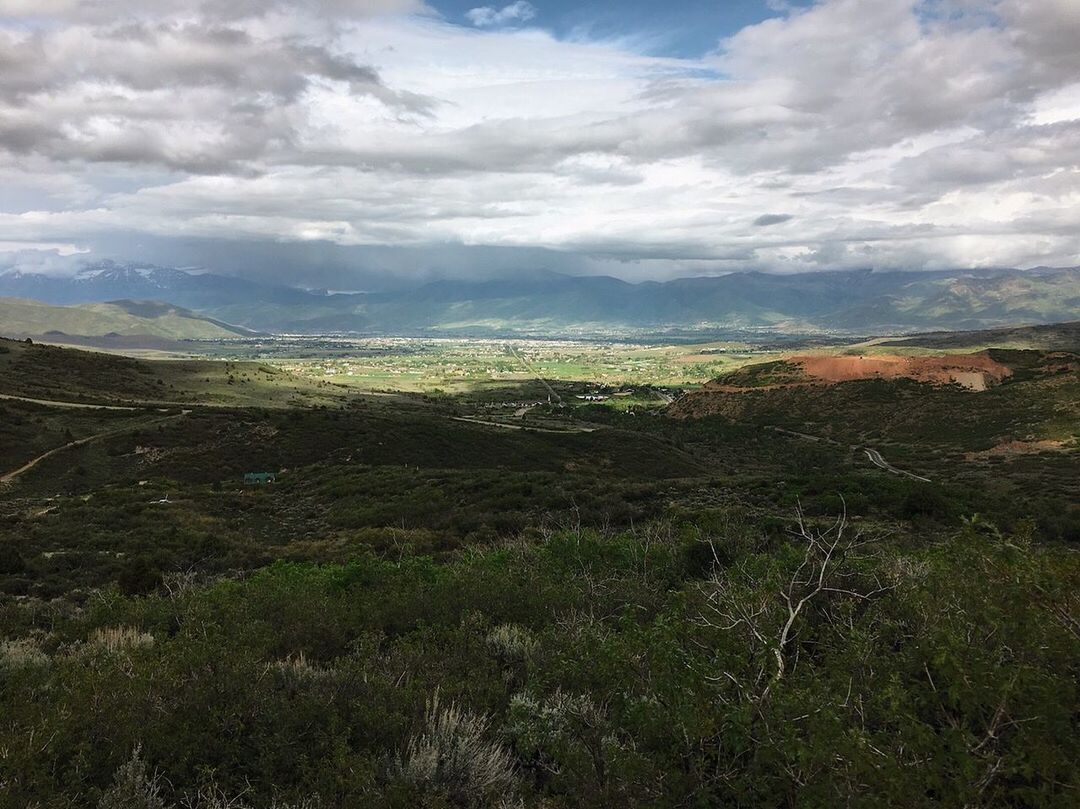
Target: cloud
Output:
[(194, 95), (767, 219), (948, 133), (105, 11), (491, 17)]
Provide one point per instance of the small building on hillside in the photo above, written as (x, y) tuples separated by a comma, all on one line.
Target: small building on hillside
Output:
[(257, 478)]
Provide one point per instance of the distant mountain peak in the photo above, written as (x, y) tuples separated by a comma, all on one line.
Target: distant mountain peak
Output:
[(108, 280), (545, 303), (111, 270)]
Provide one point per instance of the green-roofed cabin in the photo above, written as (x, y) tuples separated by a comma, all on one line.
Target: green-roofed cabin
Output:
[(255, 478)]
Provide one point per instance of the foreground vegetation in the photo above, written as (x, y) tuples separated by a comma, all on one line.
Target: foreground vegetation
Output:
[(575, 607), (693, 664)]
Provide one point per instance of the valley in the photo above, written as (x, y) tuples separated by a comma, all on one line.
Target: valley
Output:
[(472, 366)]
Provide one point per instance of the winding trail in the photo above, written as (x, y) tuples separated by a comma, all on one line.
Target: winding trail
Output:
[(878, 461), (577, 428), (9, 477), (872, 454), (52, 403)]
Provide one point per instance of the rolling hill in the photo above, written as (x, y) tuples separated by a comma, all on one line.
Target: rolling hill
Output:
[(1052, 337), (120, 321)]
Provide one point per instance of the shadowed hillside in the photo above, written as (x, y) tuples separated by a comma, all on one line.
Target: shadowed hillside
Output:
[(49, 372), (1051, 337)]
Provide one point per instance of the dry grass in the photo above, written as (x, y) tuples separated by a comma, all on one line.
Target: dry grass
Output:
[(453, 754), (299, 669), (23, 653), (511, 643), (121, 638)]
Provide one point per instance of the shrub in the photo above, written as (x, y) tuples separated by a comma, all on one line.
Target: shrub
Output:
[(511, 644), (11, 560), (453, 755), (134, 787), (138, 576), (926, 501), (23, 653), (213, 797)]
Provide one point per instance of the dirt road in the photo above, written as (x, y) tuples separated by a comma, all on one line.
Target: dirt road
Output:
[(873, 455), (9, 477), (52, 403), (555, 397), (878, 461), (576, 428)]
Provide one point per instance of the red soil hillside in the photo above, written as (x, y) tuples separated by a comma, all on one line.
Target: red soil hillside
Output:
[(974, 371)]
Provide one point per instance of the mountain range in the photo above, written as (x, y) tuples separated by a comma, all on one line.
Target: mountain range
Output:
[(550, 304)]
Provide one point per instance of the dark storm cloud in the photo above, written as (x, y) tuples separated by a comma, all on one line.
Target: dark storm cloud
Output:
[(767, 219)]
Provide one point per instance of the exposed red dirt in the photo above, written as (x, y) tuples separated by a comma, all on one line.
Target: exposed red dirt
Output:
[(973, 371)]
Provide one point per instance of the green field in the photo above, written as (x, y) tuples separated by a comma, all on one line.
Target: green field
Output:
[(460, 366)]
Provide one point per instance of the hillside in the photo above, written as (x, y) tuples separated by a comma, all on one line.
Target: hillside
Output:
[(21, 318), (590, 598), (1003, 402), (50, 373), (549, 304), (1051, 337)]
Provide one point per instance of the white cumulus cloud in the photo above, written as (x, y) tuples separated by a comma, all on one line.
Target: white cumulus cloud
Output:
[(489, 16)]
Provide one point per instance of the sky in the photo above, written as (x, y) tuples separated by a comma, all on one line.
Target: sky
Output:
[(357, 144)]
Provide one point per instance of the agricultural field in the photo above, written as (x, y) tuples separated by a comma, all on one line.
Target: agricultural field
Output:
[(463, 366)]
